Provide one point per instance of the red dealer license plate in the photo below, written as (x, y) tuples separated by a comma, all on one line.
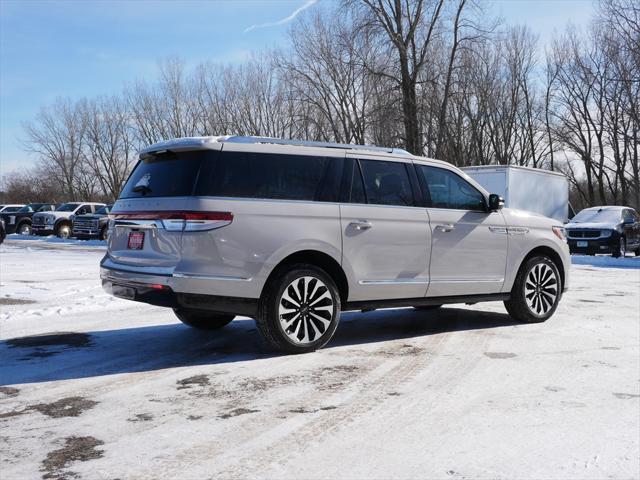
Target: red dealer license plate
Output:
[(136, 240)]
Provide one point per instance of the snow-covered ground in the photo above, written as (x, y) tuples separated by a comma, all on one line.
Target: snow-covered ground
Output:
[(96, 387)]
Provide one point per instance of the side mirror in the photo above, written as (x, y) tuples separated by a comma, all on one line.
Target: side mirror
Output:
[(496, 202), (628, 221)]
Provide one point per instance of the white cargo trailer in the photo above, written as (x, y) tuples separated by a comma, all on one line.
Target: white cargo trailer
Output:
[(541, 191)]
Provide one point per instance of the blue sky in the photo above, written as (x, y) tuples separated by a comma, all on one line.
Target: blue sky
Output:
[(76, 48)]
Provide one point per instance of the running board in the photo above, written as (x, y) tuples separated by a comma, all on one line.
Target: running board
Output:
[(368, 305)]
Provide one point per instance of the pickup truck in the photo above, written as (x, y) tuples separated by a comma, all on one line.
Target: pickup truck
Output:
[(92, 225), (20, 221)]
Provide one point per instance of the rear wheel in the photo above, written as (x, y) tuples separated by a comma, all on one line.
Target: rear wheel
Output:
[(24, 229), (201, 319), (300, 312), (621, 251), (536, 291)]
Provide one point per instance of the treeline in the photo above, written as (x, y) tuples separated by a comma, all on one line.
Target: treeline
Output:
[(439, 78)]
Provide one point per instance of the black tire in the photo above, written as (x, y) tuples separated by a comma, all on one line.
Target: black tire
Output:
[(427, 307), (24, 228), (527, 307), (311, 304), (621, 250), (64, 230), (103, 234), (203, 320), (637, 253)]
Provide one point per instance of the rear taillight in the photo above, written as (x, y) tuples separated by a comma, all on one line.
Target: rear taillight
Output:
[(177, 221)]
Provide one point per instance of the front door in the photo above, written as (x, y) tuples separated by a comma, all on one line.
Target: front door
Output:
[(386, 238), (469, 244)]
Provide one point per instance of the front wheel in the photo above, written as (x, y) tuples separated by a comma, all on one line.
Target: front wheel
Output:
[(64, 231), (201, 319), (300, 311), (103, 234), (24, 229), (621, 251), (536, 291)]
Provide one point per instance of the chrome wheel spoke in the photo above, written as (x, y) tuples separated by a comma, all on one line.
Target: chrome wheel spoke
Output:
[(324, 295)]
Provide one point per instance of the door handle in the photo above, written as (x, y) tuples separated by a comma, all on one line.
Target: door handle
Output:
[(361, 224), (445, 228)]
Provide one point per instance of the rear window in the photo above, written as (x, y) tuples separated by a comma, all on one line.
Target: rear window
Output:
[(165, 175)]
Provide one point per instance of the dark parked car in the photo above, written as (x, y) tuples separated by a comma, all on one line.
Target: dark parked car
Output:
[(20, 221), (614, 230), (92, 225), (3, 234)]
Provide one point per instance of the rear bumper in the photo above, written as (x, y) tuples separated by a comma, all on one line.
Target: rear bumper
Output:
[(163, 290)]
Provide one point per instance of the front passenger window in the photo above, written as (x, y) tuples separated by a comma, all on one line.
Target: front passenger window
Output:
[(449, 190)]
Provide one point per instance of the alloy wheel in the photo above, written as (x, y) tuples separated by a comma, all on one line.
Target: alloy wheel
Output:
[(24, 229), (541, 289), (305, 310)]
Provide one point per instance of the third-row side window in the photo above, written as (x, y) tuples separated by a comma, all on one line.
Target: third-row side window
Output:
[(269, 176)]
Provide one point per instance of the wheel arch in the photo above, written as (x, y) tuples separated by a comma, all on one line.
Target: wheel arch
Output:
[(318, 259), (22, 221), (553, 255)]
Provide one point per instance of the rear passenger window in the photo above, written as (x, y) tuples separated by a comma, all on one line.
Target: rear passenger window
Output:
[(449, 190), (269, 176), (386, 183)]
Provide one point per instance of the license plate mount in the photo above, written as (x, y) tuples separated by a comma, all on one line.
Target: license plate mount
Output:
[(135, 240), (582, 244)]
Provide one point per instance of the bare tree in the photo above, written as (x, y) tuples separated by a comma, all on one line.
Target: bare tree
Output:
[(408, 27), (58, 136)]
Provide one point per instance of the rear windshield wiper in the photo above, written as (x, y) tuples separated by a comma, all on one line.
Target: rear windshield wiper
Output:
[(143, 189)]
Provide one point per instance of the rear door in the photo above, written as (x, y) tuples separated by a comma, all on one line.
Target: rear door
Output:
[(385, 232), (469, 244)]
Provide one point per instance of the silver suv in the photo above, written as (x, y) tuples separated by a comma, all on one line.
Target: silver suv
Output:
[(292, 233)]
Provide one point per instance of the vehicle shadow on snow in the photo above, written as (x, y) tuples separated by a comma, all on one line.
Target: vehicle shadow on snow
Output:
[(68, 355)]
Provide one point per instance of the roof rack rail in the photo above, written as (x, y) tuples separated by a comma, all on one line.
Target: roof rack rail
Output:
[(307, 143)]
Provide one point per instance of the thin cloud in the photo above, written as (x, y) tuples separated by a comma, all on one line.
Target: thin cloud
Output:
[(285, 20)]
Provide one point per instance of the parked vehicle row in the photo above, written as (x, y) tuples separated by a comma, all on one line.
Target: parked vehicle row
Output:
[(83, 220), (60, 221)]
